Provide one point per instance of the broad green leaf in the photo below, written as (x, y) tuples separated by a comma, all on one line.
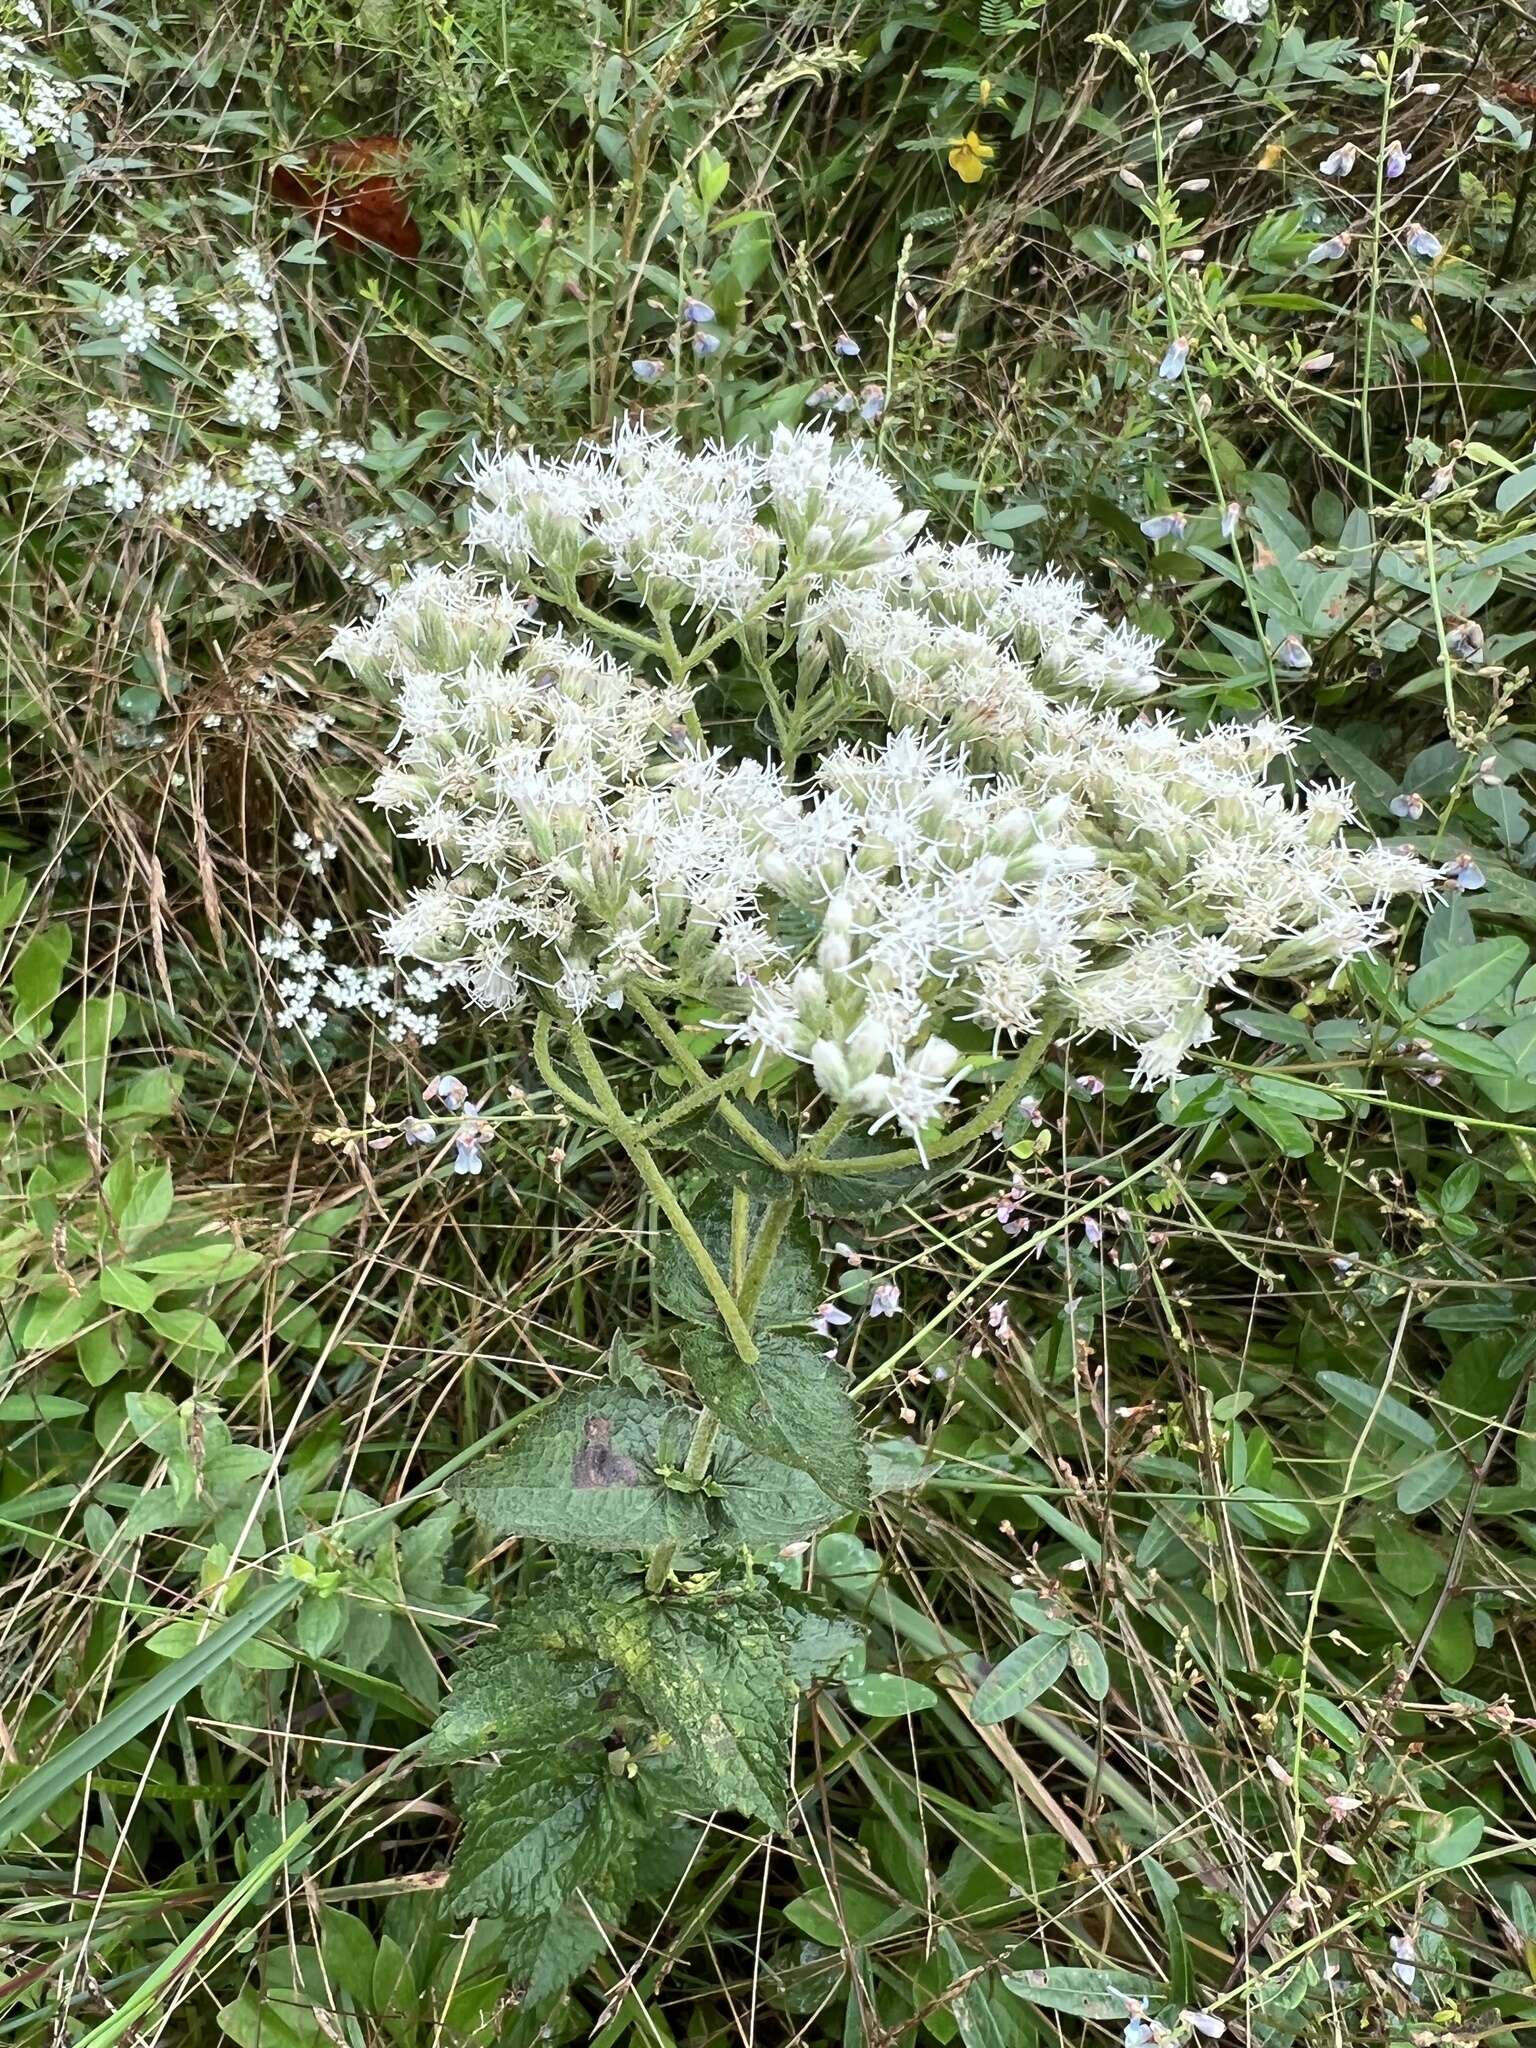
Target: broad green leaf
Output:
[(832, 1188), (1085, 1994), (792, 1403), (533, 1832), (763, 1502), (1406, 1560), (888, 1693), (817, 1645), (792, 1290), (36, 979), (1023, 1675), (713, 1674), (1390, 1413), (730, 1158), (1287, 1131), (1089, 1664), (586, 1470), (1301, 1098), (513, 1693), (1425, 1484), (1456, 1837), (1458, 984)]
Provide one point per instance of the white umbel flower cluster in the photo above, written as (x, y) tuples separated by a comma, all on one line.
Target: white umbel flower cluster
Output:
[(37, 104), (1021, 849)]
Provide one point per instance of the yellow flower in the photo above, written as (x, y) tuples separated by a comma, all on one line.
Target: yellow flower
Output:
[(969, 157)]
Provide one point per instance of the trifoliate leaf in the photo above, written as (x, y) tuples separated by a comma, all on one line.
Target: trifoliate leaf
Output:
[(533, 1831), (795, 1283), (793, 1404), (764, 1503), (585, 1470), (713, 1675)]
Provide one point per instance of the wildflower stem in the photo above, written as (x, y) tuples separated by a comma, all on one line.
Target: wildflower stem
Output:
[(770, 1232), (616, 1120), (743, 1126), (611, 629)]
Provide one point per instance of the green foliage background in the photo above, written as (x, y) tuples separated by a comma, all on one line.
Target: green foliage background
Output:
[(1198, 1598)]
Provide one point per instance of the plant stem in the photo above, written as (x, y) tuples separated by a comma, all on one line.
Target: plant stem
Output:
[(775, 1221), (743, 1126), (618, 1122)]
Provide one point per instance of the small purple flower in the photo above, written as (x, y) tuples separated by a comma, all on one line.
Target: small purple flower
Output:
[(1231, 519), (824, 394), (698, 311), (1089, 1085), (1314, 365), (1334, 250), (447, 1089), (1210, 2024), (1395, 162), (1464, 874), (1093, 1230), (871, 404), (885, 1300), (1292, 653), (706, 344), (845, 345), (1438, 484), (468, 1139), (1171, 368), (998, 1323), (647, 370), (417, 1131), (1338, 163), (1420, 242), (844, 402), (829, 1317), (1404, 1959), (1009, 1205), (1164, 526), (1466, 641), (1408, 805)]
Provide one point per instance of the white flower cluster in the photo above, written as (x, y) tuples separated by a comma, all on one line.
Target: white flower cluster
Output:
[(1021, 853), (311, 990), (37, 103), (253, 399), (122, 431), (261, 481), (138, 318), (121, 490), (257, 480)]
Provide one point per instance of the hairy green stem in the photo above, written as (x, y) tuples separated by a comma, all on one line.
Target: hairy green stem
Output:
[(676, 1050), (770, 1234), (997, 1106), (616, 1120)]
